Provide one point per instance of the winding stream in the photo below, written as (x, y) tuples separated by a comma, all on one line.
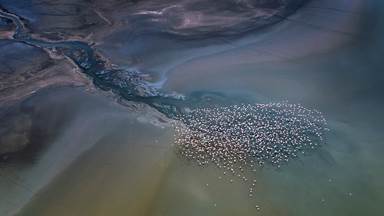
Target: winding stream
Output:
[(129, 84), (124, 167)]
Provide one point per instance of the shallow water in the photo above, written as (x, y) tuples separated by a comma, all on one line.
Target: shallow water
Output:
[(108, 160), (68, 122)]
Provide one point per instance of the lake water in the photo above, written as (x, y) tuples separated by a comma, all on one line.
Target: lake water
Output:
[(108, 159)]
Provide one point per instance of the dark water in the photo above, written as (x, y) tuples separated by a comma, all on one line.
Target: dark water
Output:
[(130, 84), (328, 57)]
